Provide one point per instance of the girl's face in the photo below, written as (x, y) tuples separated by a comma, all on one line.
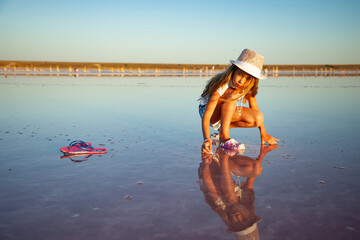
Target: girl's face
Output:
[(241, 79)]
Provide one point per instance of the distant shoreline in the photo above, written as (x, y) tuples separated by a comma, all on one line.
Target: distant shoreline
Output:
[(161, 69)]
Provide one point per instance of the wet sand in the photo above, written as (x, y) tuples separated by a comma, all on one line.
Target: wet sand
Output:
[(148, 186)]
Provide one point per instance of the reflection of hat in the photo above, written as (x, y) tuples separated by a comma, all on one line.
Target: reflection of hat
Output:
[(250, 233), (250, 62)]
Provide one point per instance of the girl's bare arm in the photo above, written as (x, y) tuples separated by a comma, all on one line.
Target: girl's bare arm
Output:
[(214, 98)]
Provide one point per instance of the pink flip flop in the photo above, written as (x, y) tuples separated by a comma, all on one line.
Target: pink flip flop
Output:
[(81, 147)]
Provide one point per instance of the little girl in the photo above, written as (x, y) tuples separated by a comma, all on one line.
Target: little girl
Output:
[(218, 102)]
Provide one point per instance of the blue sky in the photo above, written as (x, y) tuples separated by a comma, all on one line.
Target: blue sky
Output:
[(186, 31)]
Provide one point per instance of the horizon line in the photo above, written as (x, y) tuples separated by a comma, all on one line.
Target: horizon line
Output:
[(10, 62)]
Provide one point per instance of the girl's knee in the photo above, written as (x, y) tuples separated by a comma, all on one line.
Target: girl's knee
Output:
[(259, 119), (228, 107), (228, 103)]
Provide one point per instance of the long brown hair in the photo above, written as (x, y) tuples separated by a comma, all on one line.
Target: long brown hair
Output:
[(223, 78)]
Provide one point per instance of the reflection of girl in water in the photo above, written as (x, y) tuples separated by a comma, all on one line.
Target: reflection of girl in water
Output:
[(232, 200)]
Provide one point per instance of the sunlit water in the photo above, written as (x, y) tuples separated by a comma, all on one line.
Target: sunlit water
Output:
[(308, 187)]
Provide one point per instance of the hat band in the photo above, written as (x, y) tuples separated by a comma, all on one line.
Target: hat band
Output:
[(247, 230), (249, 68)]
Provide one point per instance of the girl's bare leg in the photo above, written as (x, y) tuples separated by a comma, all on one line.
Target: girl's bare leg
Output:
[(253, 118), (227, 114), (249, 118)]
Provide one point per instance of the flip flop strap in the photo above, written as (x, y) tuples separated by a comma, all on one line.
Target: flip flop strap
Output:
[(80, 144)]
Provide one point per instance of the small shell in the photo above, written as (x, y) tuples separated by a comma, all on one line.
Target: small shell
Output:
[(128, 197)]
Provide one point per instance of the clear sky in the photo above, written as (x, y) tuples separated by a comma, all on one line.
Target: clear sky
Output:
[(180, 31)]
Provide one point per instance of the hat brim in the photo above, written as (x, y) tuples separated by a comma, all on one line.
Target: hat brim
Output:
[(248, 69), (250, 229)]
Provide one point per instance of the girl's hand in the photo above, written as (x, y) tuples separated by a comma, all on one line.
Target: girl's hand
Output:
[(207, 147), (268, 139)]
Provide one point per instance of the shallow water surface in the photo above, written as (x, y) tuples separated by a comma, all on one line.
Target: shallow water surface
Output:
[(153, 183)]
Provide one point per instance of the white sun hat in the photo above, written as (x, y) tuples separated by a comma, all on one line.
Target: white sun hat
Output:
[(250, 62)]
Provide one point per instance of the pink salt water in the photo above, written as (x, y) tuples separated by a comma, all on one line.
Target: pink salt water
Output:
[(308, 188)]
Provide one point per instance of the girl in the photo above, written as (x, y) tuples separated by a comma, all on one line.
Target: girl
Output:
[(218, 102)]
